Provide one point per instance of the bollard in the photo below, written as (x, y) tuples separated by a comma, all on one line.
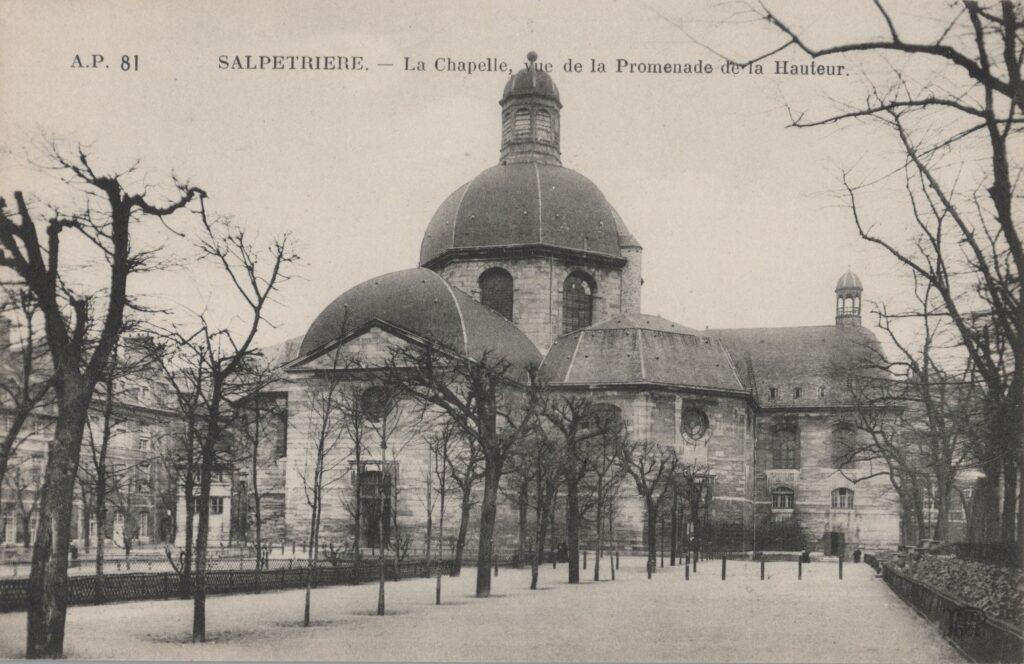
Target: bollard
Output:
[(437, 593), (696, 556), (799, 569), (616, 560), (723, 568), (650, 567), (762, 569), (584, 559), (687, 567), (840, 567), (495, 565)]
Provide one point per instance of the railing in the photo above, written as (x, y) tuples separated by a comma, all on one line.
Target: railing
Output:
[(976, 636), (129, 587)]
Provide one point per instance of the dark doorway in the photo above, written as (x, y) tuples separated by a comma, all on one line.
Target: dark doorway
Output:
[(835, 543)]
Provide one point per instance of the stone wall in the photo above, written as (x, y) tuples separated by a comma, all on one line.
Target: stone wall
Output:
[(537, 291)]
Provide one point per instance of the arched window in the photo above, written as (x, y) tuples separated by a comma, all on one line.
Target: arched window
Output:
[(507, 125), (605, 417), (842, 499), (496, 290), (787, 449), (545, 132), (375, 402), (577, 302), (843, 446), (521, 125), (782, 498)]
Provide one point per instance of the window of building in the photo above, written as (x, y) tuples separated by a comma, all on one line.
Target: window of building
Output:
[(773, 394), (545, 130), (375, 403), (521, 125), (577, 302), (843, 446), (216, 505), (797, 392), (496, 291), (782, 498), (787, 449), (143, 442), (842, 499), (821, 392), (693, 423), (506, 125), (374, 496)]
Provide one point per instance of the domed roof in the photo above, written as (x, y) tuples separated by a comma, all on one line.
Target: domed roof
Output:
[(530, 81), (421, 302), (849, 281), (526, 204), (640, 349)]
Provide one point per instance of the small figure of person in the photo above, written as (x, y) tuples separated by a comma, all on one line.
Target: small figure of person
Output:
[(74, 555), (856, 555), (563, 553), (805, 556)]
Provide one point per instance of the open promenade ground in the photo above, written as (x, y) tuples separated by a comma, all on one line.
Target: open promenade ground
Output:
[(780, 619)]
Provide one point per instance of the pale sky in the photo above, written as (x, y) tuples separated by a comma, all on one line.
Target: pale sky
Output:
[(737, 214)]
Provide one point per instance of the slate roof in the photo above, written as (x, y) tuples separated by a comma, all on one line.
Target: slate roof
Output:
[(641, 349), (787, 358), (421, 302), (526, 204), (531, 81)]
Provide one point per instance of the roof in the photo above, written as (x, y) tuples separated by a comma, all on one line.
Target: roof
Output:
[(809, 358), (641, 349), (530, 81), (526, 205), (419, 301), (849, 281)]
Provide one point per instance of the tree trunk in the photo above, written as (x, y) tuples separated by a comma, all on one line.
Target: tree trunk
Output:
[(314, 547), (202, 540), (359, 502), (1008, 523), (460, 541), (675, 529), (652, 533), (190, 514), (538, 547), (524, 499), (48, 580), (101, 527), (488, 512), (572, 529), (600, 536), (380, 545)]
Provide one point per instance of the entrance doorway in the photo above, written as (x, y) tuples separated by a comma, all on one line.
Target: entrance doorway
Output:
[(835, 543)]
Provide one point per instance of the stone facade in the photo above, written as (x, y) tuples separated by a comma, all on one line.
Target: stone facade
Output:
[(537, 291)]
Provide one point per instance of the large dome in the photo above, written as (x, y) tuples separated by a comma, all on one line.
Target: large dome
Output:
[(421, 302), (520, 205)]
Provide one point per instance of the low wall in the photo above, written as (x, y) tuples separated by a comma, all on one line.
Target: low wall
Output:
[(976, 636)]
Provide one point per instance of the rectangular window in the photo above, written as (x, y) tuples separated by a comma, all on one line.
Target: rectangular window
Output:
[(216, 505), (143, 442), (797, 392), (773, 394)]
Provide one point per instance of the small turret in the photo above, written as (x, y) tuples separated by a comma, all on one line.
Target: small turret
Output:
[(848, 294), (530, 117)]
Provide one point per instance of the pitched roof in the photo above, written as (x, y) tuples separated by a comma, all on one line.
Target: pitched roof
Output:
[(641, 349), (809, 358)]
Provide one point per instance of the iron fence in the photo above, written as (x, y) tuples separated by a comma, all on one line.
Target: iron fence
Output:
[(222, 579), (978, 637)]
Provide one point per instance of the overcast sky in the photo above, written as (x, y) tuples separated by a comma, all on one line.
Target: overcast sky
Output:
[(737, 214)]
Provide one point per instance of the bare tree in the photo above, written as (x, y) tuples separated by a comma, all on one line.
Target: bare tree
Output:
[(919, 415), (960, 138), (219, 367), (81, 330), (653, 467), (322, 462), (580, 434), (258, 426), (546, 474), (492, 401)]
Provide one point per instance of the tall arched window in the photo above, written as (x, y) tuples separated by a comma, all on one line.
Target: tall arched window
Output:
[(521, 126), (496, 290), (507, 125), (782, 498), (787, 449), (843, 446), (842, 499), (577, 302), (545, 132)]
